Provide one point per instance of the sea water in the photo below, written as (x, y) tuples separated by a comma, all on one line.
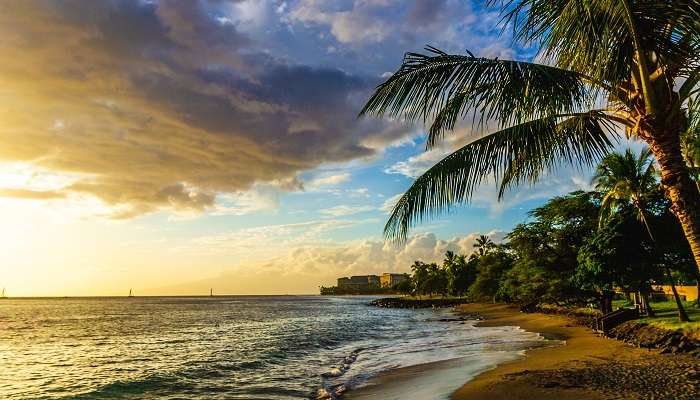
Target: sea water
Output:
[(243, 347)]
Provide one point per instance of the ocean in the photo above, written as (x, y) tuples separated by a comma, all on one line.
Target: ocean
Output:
[(241, 347)]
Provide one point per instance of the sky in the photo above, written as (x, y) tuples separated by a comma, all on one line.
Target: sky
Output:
[(171, 147)]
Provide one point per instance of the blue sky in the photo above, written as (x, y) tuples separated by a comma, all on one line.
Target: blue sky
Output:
[(175, 146)]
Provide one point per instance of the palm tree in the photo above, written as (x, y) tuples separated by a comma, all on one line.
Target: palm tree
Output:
[(623, 179), (690, 142), (630, 179), (608, 64), (483, 245), (690, 146)]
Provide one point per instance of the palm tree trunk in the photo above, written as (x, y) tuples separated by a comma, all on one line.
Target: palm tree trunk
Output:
[(678, 186), (682, 315), (646, 305)]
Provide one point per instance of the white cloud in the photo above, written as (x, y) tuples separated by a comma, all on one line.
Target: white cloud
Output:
[(305, 267), (415, 166), (343, 210), (328, 180), (389, 203), (357, 25), (270, 240), (359, 192)]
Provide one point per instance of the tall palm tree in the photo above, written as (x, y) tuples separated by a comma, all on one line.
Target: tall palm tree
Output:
[(624, 179), (608, 64), (690, 146), (483, 245), (690, 141)]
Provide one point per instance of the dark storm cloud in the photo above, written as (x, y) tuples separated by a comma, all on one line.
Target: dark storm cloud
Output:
[(162, 105)]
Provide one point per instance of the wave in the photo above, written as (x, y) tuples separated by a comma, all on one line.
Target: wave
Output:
[(334, 391), (120, 388)]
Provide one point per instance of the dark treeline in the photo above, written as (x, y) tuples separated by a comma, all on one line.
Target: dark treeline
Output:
[(339, 291), (576, 249)]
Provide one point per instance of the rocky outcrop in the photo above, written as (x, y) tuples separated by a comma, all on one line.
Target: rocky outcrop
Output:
[(644, 335), (583, 317)]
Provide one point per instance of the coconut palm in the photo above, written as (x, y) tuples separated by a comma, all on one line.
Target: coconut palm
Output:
[(483, 245), (624, 179), (690, 142), (607, 65)]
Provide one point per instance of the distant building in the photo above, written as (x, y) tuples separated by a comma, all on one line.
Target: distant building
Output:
[(389, 280), (688, 293), (359, 282)]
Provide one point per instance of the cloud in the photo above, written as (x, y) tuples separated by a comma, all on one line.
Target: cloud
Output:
[(304, 267), (360, 22), (390, 203), (563, 180), (327, 180), (343, 210), (163, 106), (271, 240), (32, 194)]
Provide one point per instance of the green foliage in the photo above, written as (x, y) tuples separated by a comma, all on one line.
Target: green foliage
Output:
[(565, 253), (546, 250), (405, 287), (607, 65), (491, 267), (429, 279), (619, 254), (626, 179)]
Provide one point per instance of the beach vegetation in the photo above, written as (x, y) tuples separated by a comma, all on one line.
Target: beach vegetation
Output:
[(577, 250), (603, 68)]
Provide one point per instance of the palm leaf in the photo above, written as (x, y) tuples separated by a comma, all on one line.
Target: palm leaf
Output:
[(596, 37), (440, 88), (516, 154)]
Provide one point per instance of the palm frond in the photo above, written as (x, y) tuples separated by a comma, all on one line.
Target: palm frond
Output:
[(626, 179), (516, 154), (441, 88), (596, 37)]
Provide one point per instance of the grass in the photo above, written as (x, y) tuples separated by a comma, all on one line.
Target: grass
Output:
[(667, 316)]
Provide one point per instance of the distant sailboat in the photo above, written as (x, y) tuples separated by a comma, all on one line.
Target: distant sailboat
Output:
[(130, 294), (3, 294), (211, 292)]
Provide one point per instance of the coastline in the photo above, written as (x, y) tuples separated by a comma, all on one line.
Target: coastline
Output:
[(510, 380), (584, 366)]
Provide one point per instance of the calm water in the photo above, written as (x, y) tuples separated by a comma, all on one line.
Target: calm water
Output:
[(224, 347)]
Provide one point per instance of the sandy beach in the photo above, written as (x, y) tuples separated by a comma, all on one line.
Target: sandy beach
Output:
[(582, 366)]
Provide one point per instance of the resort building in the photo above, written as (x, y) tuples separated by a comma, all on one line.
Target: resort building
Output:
[(688, 293), (359, 282), (389, 280)]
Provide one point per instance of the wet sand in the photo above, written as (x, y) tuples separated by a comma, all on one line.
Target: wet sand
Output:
[(585, 366)]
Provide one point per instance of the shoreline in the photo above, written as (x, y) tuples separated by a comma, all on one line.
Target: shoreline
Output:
[(586, 366), (583, 366), (509, 380)]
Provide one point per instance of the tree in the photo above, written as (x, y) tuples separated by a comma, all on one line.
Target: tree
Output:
[(404, 287), (546, 248), (619, 254), (626, 179), (483, 245), (491, 267), (421, 277), (609, 64), (690, 141), (460, 273)]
